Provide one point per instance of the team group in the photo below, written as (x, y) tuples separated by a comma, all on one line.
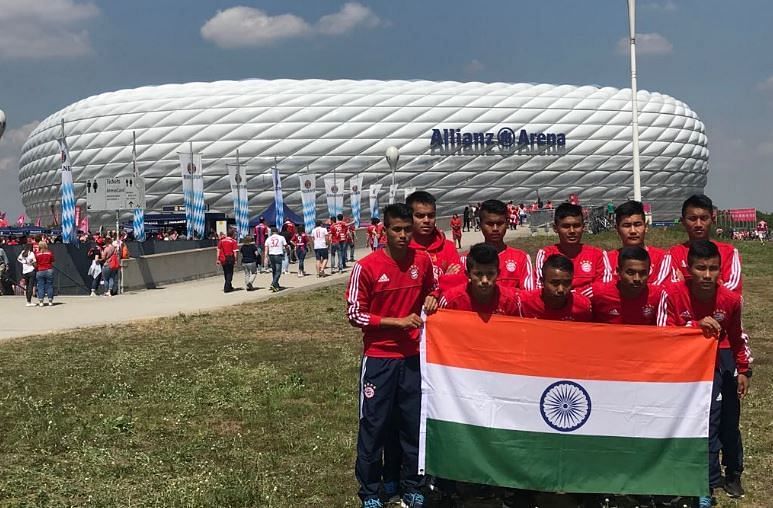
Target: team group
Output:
[(695, 283)]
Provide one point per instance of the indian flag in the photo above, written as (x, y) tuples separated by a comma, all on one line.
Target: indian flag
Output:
[(565, 407)]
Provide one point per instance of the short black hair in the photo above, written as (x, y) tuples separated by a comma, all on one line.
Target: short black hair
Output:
[(492, 206), (698, 201), (482, 254), (565, 210), (374, 220), (558, 262), (332, 218), (420, 196), (628, 209), (319, 223), (340, 216), (702, 249), (632, 252), (397, 211)]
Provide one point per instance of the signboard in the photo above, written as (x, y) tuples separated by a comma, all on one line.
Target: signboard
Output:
[(125, 193)]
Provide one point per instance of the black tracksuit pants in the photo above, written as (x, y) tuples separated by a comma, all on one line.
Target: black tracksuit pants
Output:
[(390, 402), (724, 416)]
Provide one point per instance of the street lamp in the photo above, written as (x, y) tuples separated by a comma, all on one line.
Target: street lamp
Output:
[(634, 102), (392, 156)]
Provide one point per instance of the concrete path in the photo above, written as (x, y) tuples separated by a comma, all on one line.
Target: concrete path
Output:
[(71, 312)]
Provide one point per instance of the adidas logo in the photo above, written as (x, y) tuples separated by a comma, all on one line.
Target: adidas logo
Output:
[(614, 312), (383, 278)]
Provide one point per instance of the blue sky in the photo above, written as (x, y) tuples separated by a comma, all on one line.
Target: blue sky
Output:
[(714, 55)]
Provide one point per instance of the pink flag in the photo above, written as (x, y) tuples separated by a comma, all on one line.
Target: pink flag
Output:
[(20, 220), (77, 217), (84, 224), (37, 222)]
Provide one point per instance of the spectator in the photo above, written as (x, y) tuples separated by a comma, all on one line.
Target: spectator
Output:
[(456, 230), (466, 217), (226, 257), (45, 275), (288, 236), (3, 268), (301, 245), (28, 265), (95, 270), (111, 264), (249, 253), (276, 249), (321, 238), (261, 234), (351, 238)]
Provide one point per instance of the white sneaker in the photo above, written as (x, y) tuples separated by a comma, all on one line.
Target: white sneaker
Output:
[(48, 303), (30, 304), (93, 293), (39, 304)]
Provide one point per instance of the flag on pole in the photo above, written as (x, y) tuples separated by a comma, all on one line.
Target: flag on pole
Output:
[(334, 192), (408, 191), (373, 191), (20, 220), (237, 175), (139, 213), (37, 222), (279, 203), (309, 200), (355, 190), (392, 193), (68, 195), (78, 217), (531, 412), (193, 184), (83, 224)]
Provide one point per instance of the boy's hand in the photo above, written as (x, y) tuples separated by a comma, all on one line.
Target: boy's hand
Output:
[(411, 321), (454, 269), (710, 327), (430, 304), (743, 386)]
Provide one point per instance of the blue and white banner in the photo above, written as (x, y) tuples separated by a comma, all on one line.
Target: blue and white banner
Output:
[(193, 194), (309, 199), (139, 212), (278, 199), (68, 195), (334, 192), (392, 193), (355, 191), (375, 188), (237, 174)]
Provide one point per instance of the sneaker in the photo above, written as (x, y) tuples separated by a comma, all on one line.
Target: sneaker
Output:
[(48, 304), (412, 500), (733, 486), (300, 275), (373, 502), (93, 293), (249, 286), (706, 501), (39, 304), (30, 304)]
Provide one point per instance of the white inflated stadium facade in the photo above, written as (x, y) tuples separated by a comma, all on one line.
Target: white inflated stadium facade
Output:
[(464, 142)]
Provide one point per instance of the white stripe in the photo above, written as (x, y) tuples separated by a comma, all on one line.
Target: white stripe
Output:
[(424, 387), (539, 260), (529, 283), (665, 268), (607, 275), (618, 408), (662, 315), (362, 382), (353, 312), (735, 271)]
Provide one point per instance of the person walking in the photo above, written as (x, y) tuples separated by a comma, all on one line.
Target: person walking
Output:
[(28, 267), (249, 253), (466, 216), (95, 270), (456, 230), (301, 245), (45, 275), (111, 264), (261, 234), (287, 233), (321, 238), (276, 249), (226, 258)]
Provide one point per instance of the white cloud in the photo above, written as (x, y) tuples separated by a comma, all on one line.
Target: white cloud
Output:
[(242, 27), (45, 28), (667, 6), (351, 16), (646, 44), (474, 66)]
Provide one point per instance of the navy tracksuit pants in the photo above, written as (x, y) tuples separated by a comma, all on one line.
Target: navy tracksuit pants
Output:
[(390, 407), (724, 416)]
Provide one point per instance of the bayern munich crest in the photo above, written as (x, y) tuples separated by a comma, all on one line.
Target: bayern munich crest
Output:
[(586, 266), (510, 266), (565, 406), (414, 271)]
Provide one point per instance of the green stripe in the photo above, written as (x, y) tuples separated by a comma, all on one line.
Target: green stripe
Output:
[(554, 462)]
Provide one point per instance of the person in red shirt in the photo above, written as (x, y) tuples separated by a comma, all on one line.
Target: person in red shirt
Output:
[(429, 239), (702, 301), (590, 263), (631, 227), (373, 234), (456, 230), (482, 293), (555, 299), (628, 299), (45, 274), (697, 219), (227, 247), (385, 295), (262, 232), (334, 248), (351, 238), (339, 232)]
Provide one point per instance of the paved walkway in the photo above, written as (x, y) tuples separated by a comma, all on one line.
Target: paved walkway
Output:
[(71, 312)]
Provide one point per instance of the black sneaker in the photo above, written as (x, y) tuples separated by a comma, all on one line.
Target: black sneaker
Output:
[(733, 486), (249, 287)]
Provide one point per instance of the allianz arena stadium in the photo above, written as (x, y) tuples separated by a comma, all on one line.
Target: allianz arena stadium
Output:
[(464, 142)]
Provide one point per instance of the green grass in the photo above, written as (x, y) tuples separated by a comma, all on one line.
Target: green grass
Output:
[(251, 406)]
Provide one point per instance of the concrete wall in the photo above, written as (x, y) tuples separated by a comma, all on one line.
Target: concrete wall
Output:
[(157, 270)]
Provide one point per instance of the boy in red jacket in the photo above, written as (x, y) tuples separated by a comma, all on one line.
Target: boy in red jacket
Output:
[(428, 238), (702, 301), (385, 295)]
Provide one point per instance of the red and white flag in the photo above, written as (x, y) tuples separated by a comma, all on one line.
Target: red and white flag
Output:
[(20, 220)]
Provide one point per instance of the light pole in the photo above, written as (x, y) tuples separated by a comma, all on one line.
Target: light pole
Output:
[(634, 102), (392, 156)]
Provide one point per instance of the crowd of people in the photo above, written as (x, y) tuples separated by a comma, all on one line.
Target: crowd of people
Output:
[(517, 215), (695, 283)]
